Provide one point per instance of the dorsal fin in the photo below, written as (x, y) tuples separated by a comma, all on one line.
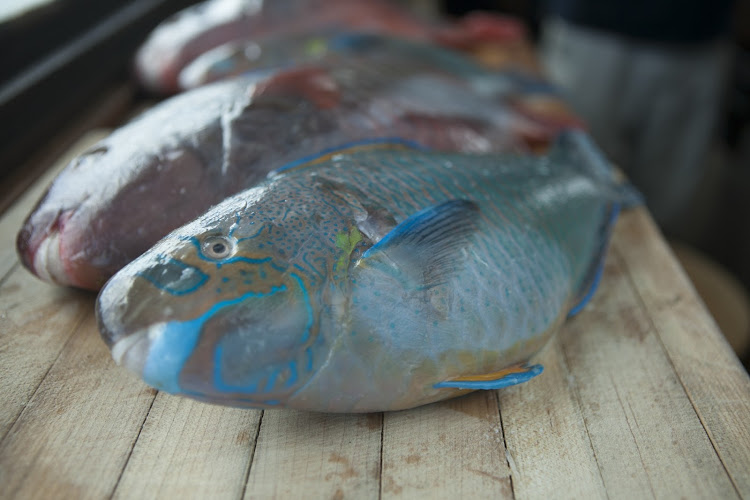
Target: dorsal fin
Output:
[(373, 144)]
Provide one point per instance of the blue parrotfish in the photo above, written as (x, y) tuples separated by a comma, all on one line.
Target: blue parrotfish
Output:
[(376, 277), (172, 163)]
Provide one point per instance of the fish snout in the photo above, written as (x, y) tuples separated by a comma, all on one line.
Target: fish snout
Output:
[(27, 244), (112, 310), (140, 352), (130, 345), (131, 351), (39, 248)]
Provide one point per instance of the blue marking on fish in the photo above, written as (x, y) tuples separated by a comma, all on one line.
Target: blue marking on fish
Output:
[(292, 374), (308, 307), (164, 282), (260, 230), (171, 348), (500, 383), (388, 141), (309, 357), (221, 384)]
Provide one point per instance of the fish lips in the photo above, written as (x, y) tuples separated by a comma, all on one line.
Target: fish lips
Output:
[(51, 250), (156, 353), (131, 351), (37, 231), (128, 348), (138, 350), (39, 246), (142, 353)]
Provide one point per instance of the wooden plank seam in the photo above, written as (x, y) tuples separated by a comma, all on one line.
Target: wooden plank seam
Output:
[(69, 336), (679, 375), (573, 385), (252, 453), (132, 447)]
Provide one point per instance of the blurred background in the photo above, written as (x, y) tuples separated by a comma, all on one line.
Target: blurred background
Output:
[(67, 65)]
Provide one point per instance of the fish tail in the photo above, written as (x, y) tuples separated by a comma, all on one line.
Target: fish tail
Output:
[(578, 148), (593, 275)]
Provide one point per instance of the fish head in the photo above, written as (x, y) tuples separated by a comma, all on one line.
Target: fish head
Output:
[(119, 197), (227, 308), (90, 222), (54, 241)]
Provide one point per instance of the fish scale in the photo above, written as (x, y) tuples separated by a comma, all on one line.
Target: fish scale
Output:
[(383, 277), (451, 188)]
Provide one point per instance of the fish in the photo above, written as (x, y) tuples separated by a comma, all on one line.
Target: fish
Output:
[(161, 170), (248, 56), (375, 277), (527, 93), (197, 29)]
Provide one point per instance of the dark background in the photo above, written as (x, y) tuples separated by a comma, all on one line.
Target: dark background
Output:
[(58, 58)]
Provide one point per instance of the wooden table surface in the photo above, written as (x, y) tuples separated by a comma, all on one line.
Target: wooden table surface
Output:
[(641, 397)]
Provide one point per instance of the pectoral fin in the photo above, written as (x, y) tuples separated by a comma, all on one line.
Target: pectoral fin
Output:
[(512, 375), (426, 247)]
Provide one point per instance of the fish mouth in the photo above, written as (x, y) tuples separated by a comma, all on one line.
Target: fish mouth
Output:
[(47, 263), (45, 247), (38, 246), (132, 351)]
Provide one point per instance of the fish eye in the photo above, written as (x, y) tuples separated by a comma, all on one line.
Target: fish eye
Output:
[(218, 247)]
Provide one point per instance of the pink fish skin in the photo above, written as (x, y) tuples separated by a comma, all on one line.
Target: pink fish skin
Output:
[(187, 34), (191, 151), (127, 190)]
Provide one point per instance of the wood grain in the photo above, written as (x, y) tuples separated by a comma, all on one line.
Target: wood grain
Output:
[(716, 384), (644, 432), (549, 449), (450, 449), (316, 455), (37, 321), (75, 435), (189, 449)]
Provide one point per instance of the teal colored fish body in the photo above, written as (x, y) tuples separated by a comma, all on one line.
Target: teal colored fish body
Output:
[(375, 278)]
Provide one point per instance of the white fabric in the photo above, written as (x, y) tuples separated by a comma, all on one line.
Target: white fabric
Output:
[(651, 107)]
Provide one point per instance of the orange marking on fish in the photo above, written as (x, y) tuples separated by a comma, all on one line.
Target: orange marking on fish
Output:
[(314, 84), (519, 368)]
